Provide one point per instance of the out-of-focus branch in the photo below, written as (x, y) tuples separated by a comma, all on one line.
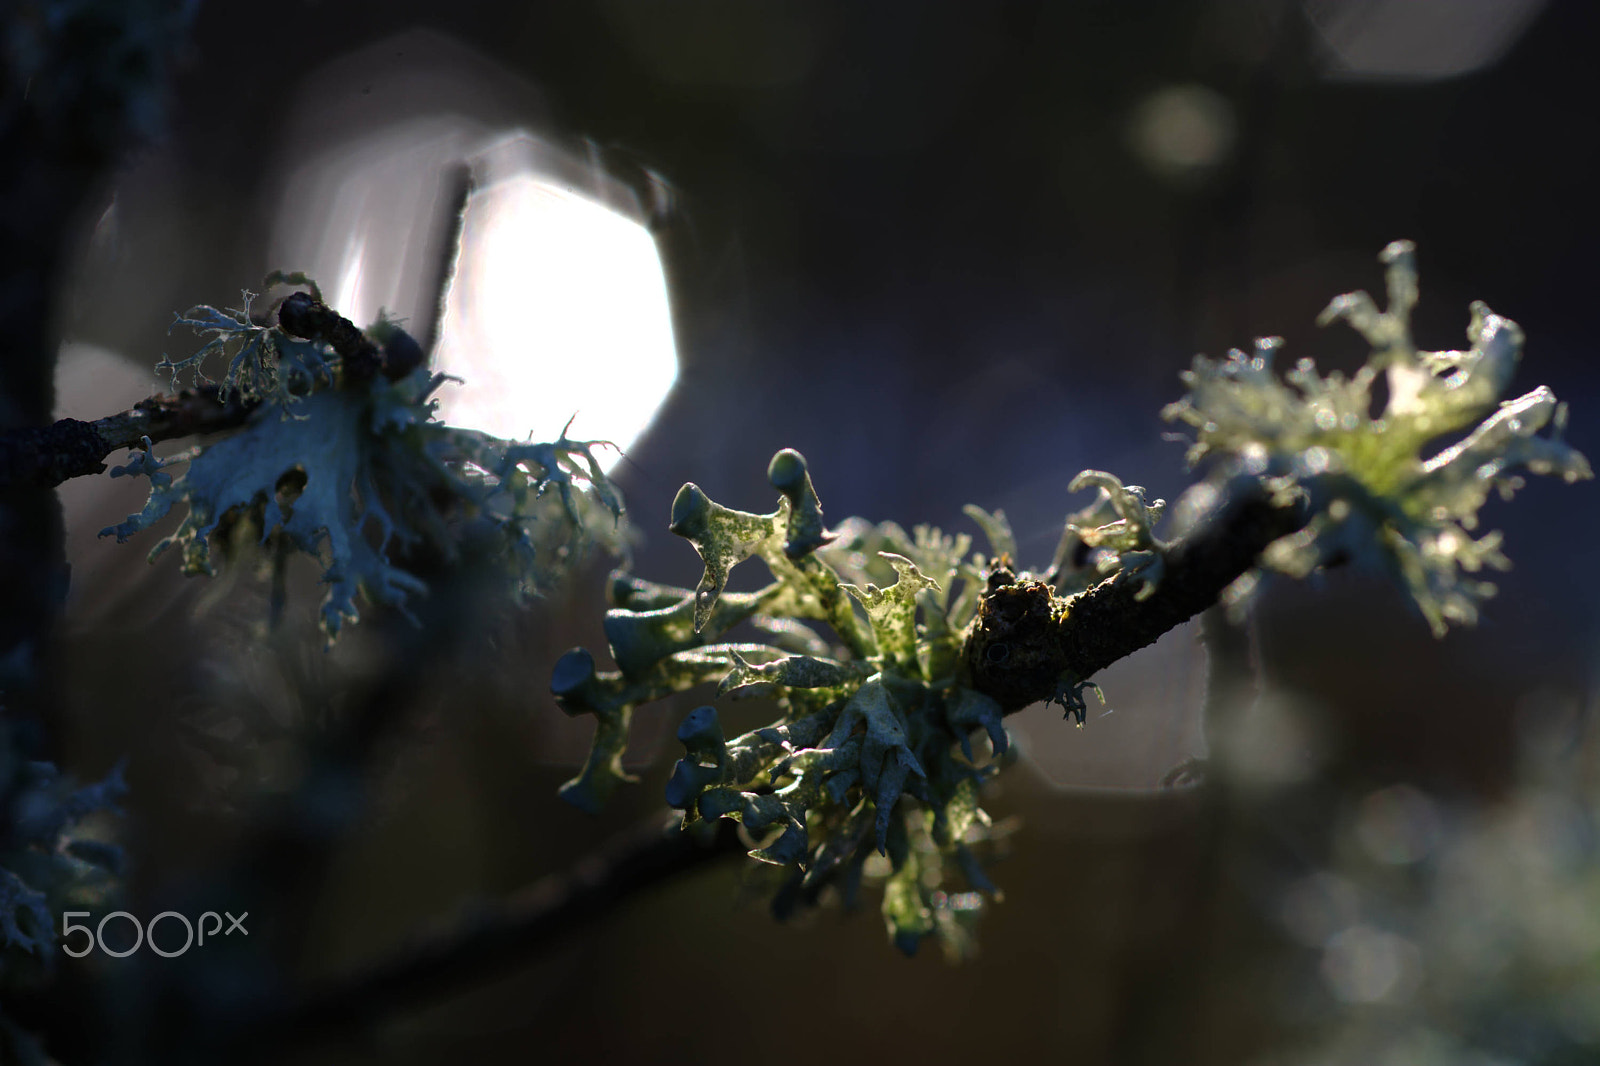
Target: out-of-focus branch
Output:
[(495, 939), (45, 456)]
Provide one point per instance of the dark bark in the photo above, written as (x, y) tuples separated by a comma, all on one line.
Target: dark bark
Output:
[(45, 456), (1024, 641), (80, 85)]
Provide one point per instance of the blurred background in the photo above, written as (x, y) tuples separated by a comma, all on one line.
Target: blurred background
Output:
[(954, 254)]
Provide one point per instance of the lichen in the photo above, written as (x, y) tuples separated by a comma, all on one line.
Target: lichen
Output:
[(354, 470), (887, 653), (1374, 483), (872, 751), (1112, 533), (46, 862), (263, 362)]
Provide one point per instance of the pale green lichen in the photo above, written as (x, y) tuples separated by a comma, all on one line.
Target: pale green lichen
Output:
[(892, 611), (1112, 533), (872, 752), (783, 539), (1370, 478), (357, 473), (869, 770)]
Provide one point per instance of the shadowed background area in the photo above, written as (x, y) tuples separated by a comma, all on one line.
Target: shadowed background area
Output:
[(953, 254)]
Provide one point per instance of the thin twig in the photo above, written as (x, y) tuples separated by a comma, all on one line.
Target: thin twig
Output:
[(1018, 650), (1109, 622), (513, 932), (45, 456)]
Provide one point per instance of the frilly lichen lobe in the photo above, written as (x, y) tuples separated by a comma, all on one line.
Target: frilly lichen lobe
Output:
[(1372, 485), (47, 862), (873, 749), (349, 466)]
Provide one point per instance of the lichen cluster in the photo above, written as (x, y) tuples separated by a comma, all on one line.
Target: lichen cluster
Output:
[(354, 470), (46, 863), (1114, 533), (860, 642), (1374, 482), (882, 671)]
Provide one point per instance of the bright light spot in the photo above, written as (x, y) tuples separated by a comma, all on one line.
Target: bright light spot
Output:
[(1366, 965), (1183, 130), (369, 220), (349, 291), (1195, 504), (558, 307), (1416, 40), (1253, 458)]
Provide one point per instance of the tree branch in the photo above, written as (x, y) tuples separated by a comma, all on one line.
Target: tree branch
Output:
[(515, 931), (1021, 644), (45, 456)]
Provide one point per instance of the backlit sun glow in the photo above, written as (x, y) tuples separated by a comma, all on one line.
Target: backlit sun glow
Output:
[(557, 310)]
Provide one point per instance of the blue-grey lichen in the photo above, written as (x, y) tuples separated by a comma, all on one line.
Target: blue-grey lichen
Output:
[(1370, 478), (263, 362), (354, 470), (46, 863), (860, 639)]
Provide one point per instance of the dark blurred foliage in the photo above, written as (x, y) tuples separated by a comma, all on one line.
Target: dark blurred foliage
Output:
[(920, 244)]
